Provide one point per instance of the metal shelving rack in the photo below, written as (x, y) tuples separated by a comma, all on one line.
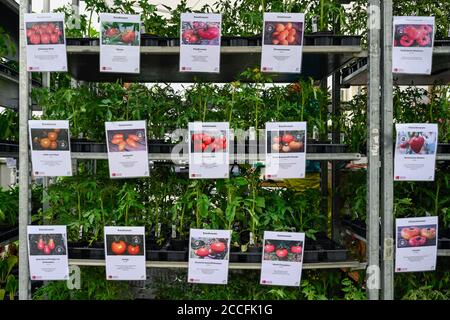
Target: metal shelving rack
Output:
[(379, 149)]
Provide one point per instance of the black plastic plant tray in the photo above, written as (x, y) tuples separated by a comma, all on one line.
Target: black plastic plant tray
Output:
[(173, 255), (330, 251), (444, 243), (8, 232), (84, 252), (82, 41), (9, 146), (311, 254), (443, 148), (83, 145), (359, 227), (445, 42)]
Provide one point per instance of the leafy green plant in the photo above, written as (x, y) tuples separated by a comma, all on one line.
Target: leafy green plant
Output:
[(8, 282), (9, 206), (94, 286)]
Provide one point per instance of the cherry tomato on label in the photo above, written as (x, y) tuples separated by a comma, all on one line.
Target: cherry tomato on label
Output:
[(41, 244), (51, 244), (52, 136), (133, 250)]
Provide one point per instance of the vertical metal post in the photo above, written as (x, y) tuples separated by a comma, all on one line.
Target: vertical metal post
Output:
[(24, 201), (387, 186), (335, 138), (373, 153), (324, 164), (45, 84)]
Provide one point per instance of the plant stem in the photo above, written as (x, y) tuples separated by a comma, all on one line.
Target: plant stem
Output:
[(436, 199)]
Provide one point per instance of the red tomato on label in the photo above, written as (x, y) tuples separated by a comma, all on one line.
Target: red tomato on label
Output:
[(269, 248), (35, 39), (54, 38), (288, 138), (218, 247), (202, 252), (45, 38), (282, 253), (198, 147), (118, 247), (207, 139), (296, 249)]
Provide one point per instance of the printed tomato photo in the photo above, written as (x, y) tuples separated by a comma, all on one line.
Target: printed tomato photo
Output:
[(50, 139), (286, 141), (126, 140), (200, 33), (48, 32), (283, 33), (283, 250), (209, 248), (413, 35), (120, 33), (208, 141), (416, 142), (416, 236), (125, 245), (47, 244)]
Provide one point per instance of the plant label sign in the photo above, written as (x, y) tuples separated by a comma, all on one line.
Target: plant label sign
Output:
[(416, 248), (282, 42), (209, 155), (200, 37), (127, 149), (125, 253), (285, 150), (50, 148), (120, 40), (282, 258), (11, 163), (413, 45), (415, 152), (209, 254), (46, 43), (47, 252)]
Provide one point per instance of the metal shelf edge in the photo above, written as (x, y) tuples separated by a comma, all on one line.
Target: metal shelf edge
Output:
[(168, 156), (357, 50), (355, 265)]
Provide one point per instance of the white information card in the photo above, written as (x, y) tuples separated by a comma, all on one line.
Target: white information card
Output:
[(415, 151), (125, 253), (47, 252), (200, 37), (46, 42), (50, 148), (416, 248), (120, 40), (127, 149), (209, 154), (282, 259), (285, 150), (209, 254), (282, 42), (413, 45)]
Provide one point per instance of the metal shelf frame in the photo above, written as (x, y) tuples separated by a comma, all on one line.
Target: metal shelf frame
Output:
[(347, 51), (379, 148)]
